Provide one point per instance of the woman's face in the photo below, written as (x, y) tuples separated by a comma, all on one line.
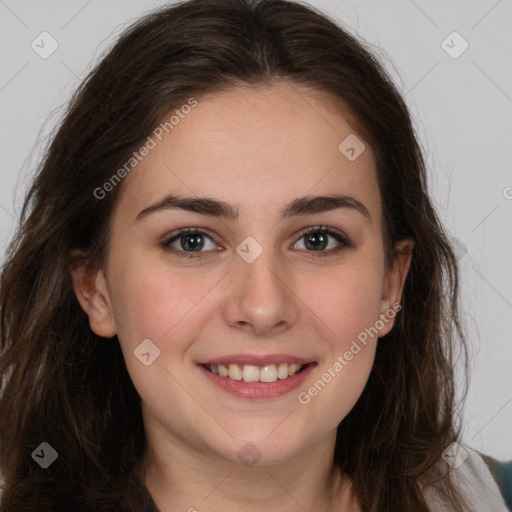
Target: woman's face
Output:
[(258, 293)]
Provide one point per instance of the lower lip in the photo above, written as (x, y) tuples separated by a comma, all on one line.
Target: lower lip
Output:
[(259, 390)]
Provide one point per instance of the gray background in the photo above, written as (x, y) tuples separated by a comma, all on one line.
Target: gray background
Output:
[(462, 109)]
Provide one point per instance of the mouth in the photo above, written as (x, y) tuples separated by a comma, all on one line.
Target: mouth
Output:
[(253, 373), (257, 381)]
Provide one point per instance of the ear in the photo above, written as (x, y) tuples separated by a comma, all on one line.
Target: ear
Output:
[(394, 283), (90, 288)]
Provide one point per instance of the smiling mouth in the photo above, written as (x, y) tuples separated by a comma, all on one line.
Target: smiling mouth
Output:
[(252, 373)]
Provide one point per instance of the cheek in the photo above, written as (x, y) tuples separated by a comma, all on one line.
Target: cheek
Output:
[(157, 304), (347, 301), (343, 373), (153, 299), (347, 306), (344, 382)]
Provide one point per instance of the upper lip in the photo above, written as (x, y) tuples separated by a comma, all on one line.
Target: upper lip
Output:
[(257, 360)]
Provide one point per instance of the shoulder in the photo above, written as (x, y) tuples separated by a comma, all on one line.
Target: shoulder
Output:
[(475, 478), (482, 480)]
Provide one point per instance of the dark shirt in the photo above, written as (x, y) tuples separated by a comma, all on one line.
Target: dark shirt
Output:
[(502, 473)]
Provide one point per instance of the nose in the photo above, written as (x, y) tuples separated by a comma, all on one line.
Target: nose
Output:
[(261, 298)]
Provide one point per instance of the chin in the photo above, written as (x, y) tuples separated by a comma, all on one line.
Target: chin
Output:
[(261, 449)]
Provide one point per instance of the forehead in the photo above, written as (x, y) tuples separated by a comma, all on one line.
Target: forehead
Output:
[(254, 146)]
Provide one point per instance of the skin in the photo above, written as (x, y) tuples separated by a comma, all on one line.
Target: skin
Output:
[(258, 148)]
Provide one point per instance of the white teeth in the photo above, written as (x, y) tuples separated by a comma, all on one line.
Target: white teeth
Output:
[(268, 373), (282, 371), (293, 368), (251, 373), (235, 372)]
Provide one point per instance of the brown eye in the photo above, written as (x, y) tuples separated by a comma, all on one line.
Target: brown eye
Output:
[(188, 241), (317, 240)]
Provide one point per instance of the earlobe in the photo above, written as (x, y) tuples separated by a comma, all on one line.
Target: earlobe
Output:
[(394, 282), (91, 291)]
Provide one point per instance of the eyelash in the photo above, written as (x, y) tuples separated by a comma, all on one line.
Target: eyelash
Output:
[(340, 237)]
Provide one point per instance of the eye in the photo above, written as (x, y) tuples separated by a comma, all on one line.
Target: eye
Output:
[(317, 240), (188, 239)]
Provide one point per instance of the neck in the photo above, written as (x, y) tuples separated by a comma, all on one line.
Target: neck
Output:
[(181, 477)]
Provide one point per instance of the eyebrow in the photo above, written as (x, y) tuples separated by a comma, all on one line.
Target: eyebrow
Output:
[(216, 208)]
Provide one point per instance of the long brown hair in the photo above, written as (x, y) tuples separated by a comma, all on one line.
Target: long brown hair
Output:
[(64, 385)]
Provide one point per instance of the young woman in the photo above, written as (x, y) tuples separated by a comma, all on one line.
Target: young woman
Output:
[(229, 289)]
